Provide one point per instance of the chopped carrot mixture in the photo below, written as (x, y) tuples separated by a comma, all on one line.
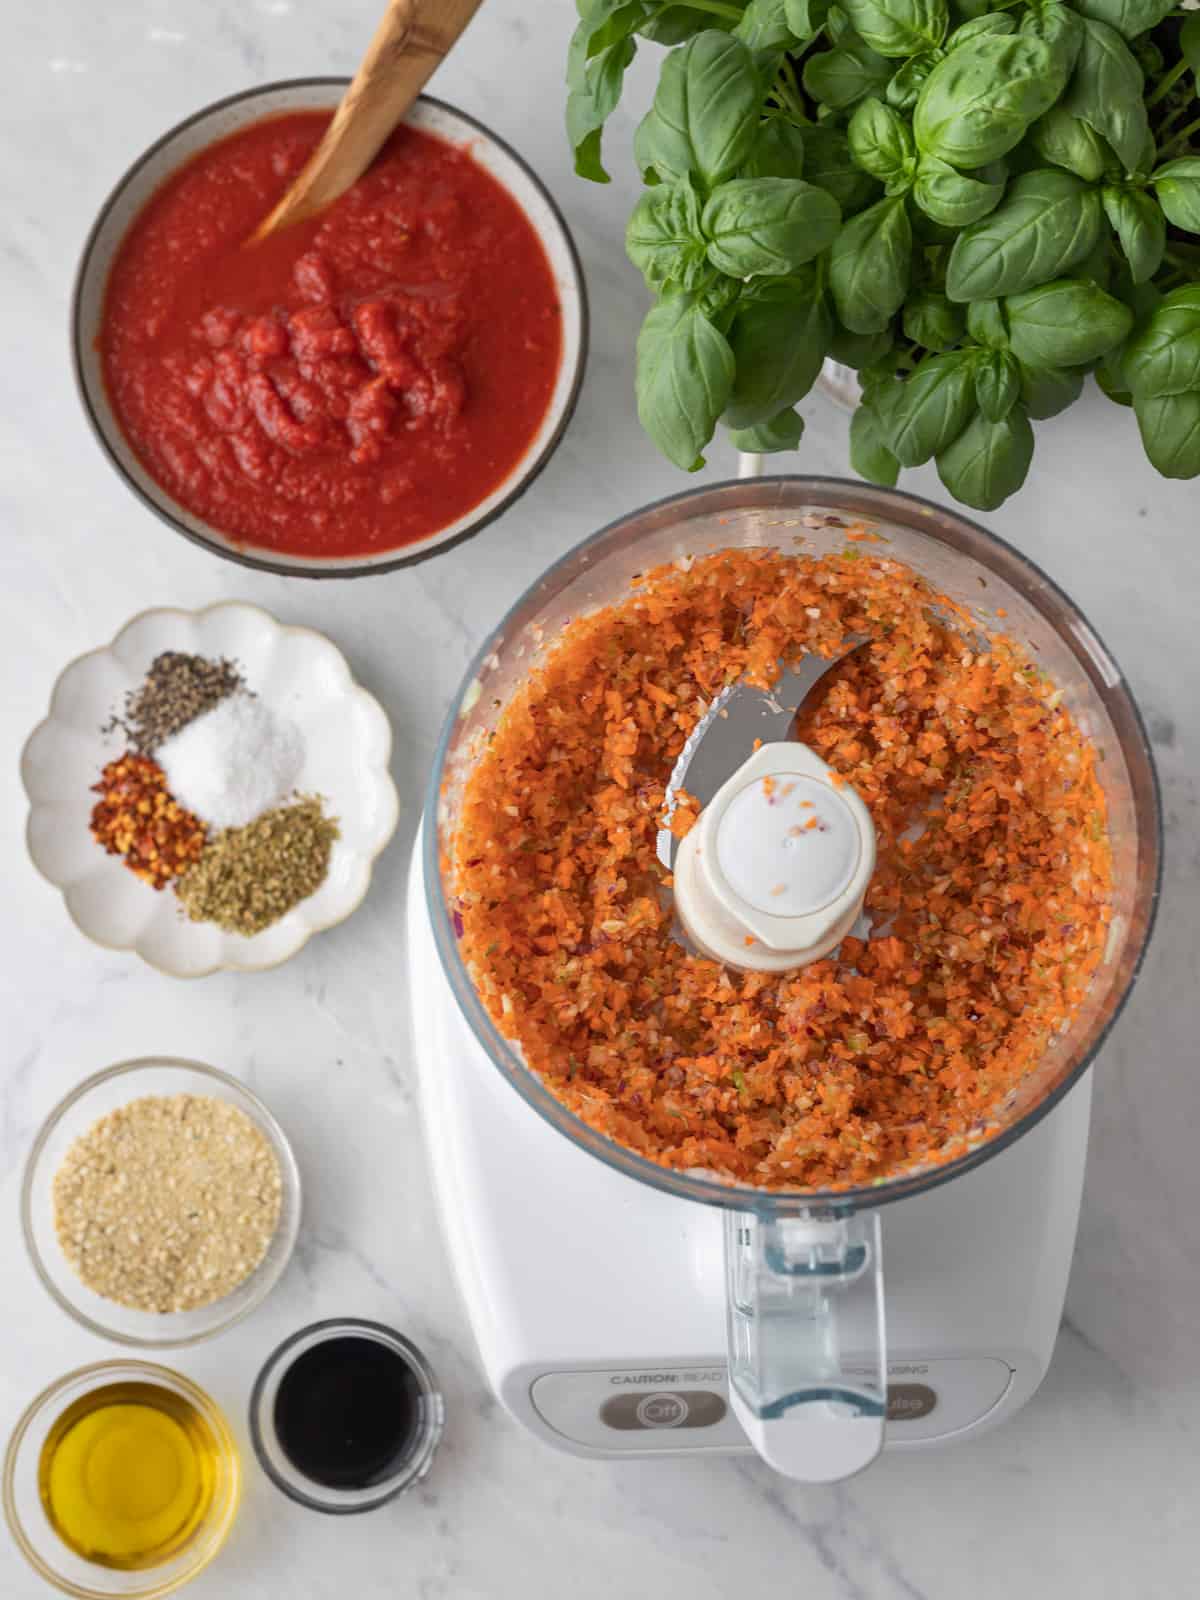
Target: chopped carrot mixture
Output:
[(988, 907)]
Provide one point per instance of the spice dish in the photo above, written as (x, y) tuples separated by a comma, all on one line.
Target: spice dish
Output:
[(238, 898), (116, 1090)]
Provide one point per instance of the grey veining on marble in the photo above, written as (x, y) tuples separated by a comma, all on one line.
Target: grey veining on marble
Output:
[(1090, 1491)]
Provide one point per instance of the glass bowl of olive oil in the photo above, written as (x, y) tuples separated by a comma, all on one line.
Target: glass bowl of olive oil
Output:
[(121, 1479)]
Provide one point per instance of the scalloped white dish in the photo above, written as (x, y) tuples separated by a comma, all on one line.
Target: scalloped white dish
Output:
[(295, 672)]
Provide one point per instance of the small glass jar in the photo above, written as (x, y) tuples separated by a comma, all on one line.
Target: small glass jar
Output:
[(410, 1466), (31, 1527)]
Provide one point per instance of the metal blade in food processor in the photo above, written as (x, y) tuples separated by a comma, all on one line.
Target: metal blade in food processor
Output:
[(724, 737)]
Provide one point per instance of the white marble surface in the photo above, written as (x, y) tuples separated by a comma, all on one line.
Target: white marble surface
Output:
[(1092, 1489)]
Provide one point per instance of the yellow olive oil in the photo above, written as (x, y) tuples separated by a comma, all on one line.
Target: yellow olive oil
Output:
[(127, 1474)]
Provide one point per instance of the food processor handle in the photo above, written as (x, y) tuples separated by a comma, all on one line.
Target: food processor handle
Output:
[(802, 1292)]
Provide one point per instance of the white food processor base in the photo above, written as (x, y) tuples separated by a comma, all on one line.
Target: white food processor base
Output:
[(598, 1303)]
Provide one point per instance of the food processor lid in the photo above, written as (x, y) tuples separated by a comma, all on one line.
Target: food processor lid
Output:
[(773, 874)]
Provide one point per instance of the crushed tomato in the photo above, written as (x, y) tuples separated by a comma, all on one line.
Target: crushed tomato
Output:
[(352, 384)]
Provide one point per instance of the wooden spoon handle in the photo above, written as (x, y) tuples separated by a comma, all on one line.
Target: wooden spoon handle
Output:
[(410, 41)]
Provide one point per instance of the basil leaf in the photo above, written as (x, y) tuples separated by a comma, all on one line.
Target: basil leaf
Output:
[(1170, 428), (674, 24), (978, 27), (1065, 141), (870, 264), (988, 461), (764, 26), (997, 385), (1189, 44), (1059, 27), (767, 225), (899, 27), (1163, 357), (869, 453), (839, 77), (933, 407), (905, 85), (829, 164), (986, 324), (950, 197), (1047, 222), (1177, 184), (779, 336), (1144, 165), (859, 350), (1128, 17), (705, 117), (932, 321), (663, 238), (596, 84), (1067, 323), (1139, 224), (806, 18), (684, 375), (778, 151), (881, 142), (719, 298), (1045, 391), (1106, 92), (782, 432), (1143, 301), (1099, 264), (978, 102)]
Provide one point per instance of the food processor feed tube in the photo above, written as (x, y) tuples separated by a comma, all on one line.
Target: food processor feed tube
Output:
[(805, 1291), (772, 877)]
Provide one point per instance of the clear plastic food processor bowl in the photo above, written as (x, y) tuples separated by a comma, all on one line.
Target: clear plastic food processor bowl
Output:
[(798, 1261)]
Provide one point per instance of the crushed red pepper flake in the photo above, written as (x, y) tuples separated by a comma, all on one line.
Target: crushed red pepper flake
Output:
[(988, 907), (138, 818)]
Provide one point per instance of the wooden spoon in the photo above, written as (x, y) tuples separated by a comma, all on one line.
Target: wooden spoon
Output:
[(410, 41)]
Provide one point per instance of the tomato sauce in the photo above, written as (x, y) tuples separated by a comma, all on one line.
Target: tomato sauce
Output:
[(351, 385)]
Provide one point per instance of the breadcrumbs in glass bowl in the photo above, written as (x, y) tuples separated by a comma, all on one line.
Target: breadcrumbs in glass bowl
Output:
[(219, 1270), (988, 911)]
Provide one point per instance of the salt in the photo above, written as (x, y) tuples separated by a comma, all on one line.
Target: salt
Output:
[(234, 762)]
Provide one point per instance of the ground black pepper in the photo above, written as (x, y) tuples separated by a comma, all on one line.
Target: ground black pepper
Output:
[(177, 688)]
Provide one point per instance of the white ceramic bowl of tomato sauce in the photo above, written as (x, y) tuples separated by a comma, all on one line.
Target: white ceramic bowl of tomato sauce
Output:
[(91, 306)]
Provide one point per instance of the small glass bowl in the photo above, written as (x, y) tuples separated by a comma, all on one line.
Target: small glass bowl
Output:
[(31, 1528), (92, 1099), (270, 1452)]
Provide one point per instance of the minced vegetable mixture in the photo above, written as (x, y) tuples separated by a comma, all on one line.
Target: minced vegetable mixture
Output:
[(897, 1049)]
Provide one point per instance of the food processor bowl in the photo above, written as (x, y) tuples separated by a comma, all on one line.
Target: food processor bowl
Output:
[(800, 1262)]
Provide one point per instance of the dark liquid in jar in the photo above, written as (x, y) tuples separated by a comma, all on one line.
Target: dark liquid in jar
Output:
[(347, 1412)]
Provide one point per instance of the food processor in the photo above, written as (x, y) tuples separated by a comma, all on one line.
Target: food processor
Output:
[(623, 1309)]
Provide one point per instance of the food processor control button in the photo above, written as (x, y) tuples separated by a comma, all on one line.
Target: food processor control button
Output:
[(909, 1401), (788, 844), (662, 1410)]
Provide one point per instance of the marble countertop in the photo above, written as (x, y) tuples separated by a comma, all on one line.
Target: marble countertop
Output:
[(1091, 1488)]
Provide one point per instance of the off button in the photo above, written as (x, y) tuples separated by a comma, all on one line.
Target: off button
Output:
[(665, 1408), (662, 1410)]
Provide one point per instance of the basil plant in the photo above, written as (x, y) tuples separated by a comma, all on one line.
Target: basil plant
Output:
[(974, 207)]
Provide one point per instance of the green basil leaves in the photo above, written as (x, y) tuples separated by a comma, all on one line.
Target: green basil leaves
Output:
[(974, 203), (767, 225), (1048, 222), (684, 376)]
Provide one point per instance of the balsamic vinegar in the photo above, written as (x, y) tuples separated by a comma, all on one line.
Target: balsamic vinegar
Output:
[(347, 1412)]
